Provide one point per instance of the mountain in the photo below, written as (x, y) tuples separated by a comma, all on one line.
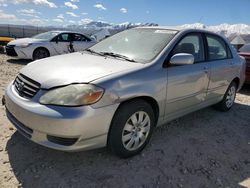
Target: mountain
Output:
[(225, 29), (90, 27)]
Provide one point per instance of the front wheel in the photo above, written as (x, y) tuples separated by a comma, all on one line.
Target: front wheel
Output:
[(131, 128), (228, 99), (40, 53)]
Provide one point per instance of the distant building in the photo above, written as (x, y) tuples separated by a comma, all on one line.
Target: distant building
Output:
[(239, 40)]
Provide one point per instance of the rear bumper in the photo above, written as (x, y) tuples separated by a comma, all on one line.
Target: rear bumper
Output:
[(61, 128)]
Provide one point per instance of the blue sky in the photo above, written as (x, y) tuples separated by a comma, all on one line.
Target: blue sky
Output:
[(163, 12)]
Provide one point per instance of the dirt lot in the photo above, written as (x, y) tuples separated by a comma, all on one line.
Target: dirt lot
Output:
[(203, 149)]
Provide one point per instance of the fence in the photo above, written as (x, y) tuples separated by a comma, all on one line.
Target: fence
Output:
[(17, 31)]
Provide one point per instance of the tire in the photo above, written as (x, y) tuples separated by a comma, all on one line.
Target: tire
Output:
[(131, 128), (228, 99), (40, 53)]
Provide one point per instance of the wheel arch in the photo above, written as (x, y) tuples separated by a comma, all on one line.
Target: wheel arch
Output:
[(40, 47), (150, 100), (237, 81)]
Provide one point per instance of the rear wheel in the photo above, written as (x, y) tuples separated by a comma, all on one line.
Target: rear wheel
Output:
[(40, 53), (131, 128), (228, 99)]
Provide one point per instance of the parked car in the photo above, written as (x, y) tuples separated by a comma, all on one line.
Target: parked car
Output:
[(5, 40), (48, 44), (245, 52), (116, 92)]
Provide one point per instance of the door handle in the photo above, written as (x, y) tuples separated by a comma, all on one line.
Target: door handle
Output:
[(205, 69)]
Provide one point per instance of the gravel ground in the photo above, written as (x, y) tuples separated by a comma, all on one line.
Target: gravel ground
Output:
[(203, 149)]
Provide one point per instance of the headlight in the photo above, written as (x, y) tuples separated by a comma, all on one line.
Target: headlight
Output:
[(73, 95), (24, 45)]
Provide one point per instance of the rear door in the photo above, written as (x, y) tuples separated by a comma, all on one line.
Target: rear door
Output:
[(187, 84), (222, 66), (61, 43), (81, 42)]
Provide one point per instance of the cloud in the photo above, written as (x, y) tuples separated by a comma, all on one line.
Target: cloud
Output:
[(100, 18), (75, 1), (72, 14), (84, 21), (30, 15), (36, 2), (84, 13), (28, 11), (37, 21), (4, 16), (72, 22), (3, 5), (100, 7), (69, 4), (124, 10), (57, 20), (60, 16)]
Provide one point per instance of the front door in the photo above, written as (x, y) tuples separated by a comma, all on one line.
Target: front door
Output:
[(187, 84)]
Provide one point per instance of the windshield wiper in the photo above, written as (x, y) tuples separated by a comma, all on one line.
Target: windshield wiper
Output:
[(94, 52), (118, 55)]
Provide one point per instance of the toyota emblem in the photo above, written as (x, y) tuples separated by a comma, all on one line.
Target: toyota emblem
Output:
[(20, 86)]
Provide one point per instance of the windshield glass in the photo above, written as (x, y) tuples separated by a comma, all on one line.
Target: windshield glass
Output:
[(47, 35), (141, 45), (245, 48)]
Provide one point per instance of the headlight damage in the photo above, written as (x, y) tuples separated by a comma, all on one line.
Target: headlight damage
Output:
[(73, 95)]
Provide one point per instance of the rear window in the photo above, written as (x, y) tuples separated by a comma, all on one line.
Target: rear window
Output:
[(217, 48)]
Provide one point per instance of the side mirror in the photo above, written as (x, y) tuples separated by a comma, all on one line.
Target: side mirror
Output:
[(182, 59), (93, 37)]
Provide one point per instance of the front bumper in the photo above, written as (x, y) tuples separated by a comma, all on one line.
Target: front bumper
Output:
[(19, 52), (61, 128), (10, 50)]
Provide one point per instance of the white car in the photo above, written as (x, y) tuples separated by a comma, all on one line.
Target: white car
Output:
[(48, 44)]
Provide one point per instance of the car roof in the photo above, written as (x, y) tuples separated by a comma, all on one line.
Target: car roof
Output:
[(178, 29), (61, 31)]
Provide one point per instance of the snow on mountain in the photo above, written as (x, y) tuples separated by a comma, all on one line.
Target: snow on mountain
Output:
[(226, 29)]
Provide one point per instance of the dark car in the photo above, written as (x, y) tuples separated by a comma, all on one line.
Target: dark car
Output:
[(245, 52)]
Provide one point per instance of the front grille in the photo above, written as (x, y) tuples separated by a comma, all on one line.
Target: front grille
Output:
[(24, 130), (10, 50), (62, 141), (25, 86)]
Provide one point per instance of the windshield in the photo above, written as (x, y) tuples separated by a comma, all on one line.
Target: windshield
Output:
[(245, 48), (141, 45), (47, 35)]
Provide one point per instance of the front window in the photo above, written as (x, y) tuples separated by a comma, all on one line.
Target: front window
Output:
[(141, 45), (47, 35), (191, 44)]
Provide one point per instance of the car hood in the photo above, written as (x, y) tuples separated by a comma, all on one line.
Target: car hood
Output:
[(74, 68), (25, 40)]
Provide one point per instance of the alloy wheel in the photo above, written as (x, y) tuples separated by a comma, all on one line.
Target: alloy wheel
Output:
[(136, 130)]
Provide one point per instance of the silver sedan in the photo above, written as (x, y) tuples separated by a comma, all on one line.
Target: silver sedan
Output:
[(115, 93)]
